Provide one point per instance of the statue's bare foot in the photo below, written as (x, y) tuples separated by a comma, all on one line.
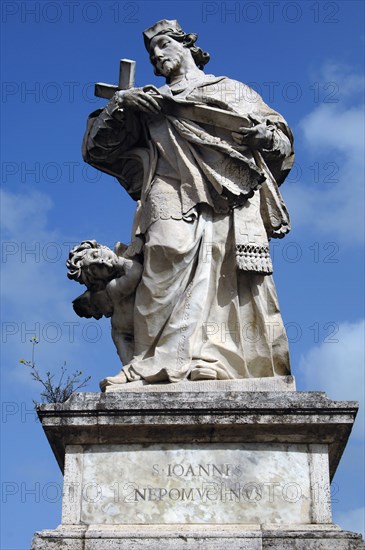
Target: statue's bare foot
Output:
[(120, 378), (203, 373)]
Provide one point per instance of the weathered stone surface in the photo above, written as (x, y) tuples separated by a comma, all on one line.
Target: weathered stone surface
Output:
[(269, 384), (312, 539), (206, 416), (173, 440), (196, 483), (178, 537)]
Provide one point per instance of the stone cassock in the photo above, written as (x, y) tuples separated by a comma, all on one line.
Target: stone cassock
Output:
[(208, 203)]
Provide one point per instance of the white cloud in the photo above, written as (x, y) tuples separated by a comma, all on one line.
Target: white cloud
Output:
[(338, 368), (351, 520), (30, 275), (25, 213), (331, 127), (347, 82), (37, 295), (334, 132)]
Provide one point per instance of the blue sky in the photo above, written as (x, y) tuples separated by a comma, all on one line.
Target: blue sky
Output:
[(305, 59)]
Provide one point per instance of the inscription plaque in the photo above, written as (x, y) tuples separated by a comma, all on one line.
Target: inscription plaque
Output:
[(193, 484)]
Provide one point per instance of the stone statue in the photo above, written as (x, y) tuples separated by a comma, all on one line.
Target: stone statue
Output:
[(204, 157), (111, 280)]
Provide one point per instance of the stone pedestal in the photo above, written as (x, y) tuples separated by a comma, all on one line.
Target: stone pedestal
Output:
[(211, 466)]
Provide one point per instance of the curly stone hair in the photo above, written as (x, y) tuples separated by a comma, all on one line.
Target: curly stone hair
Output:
[(80, 265)]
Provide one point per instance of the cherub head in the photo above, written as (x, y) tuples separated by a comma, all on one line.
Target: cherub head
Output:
[(93, 265)]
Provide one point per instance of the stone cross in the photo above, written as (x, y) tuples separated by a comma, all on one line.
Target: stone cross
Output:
[(127, 70), (171, 106)]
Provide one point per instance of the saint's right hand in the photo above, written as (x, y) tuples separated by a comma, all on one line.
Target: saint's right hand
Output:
[(137, 100)]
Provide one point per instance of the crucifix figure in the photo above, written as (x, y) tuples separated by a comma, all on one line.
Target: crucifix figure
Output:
[(205, 166)]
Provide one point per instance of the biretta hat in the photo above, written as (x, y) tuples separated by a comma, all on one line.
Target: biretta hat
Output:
[(161, 27)]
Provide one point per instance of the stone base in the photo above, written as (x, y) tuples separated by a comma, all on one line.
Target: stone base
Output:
[(209, 537), (207, 469), (267, 384)]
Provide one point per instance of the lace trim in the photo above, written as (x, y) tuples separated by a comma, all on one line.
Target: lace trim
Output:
[(254, 257)]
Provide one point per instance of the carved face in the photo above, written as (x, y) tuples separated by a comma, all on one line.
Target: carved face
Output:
[(101, 255), (167, 54), (100, 262)]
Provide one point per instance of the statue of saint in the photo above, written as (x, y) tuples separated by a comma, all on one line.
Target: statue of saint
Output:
[(208, 202)]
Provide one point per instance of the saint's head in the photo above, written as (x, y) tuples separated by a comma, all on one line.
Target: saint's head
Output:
[(171, 49)]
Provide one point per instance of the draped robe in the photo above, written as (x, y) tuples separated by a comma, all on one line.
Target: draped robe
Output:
[(207, 209)]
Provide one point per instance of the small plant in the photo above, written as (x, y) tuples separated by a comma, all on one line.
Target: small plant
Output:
[(55, 391)]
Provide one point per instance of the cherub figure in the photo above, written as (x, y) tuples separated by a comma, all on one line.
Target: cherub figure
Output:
[(111, 279)]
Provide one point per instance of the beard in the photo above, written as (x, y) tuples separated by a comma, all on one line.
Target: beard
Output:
[(170, 65)]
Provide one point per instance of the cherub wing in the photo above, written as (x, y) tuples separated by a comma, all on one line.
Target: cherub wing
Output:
[(93, 304), (120, 248)]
